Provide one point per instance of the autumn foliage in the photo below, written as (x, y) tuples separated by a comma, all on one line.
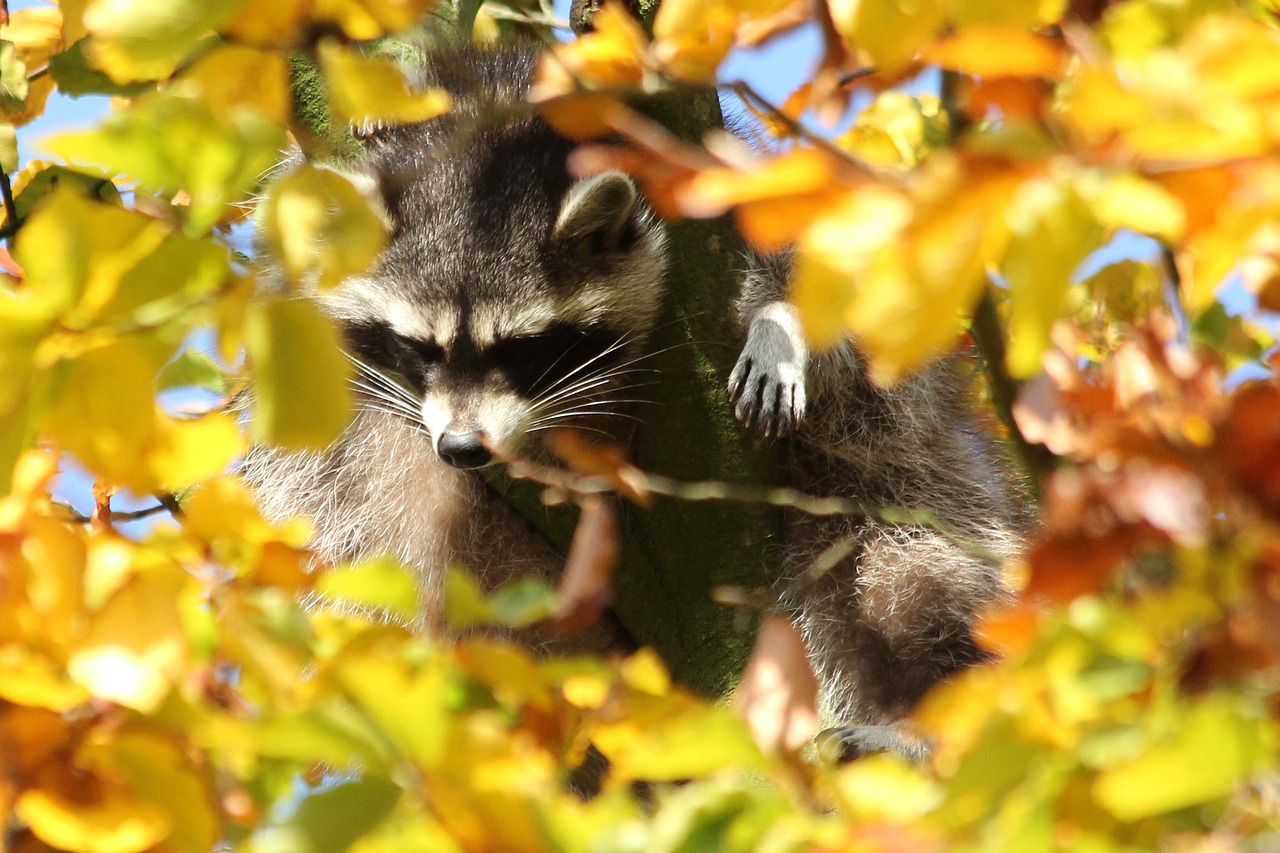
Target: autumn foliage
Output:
[(1086, 194)]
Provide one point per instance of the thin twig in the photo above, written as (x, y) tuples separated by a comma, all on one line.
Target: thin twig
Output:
[(580, 486), (10, 207), (167, 503)]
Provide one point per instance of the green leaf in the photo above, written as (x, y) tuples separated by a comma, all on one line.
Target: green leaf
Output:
[(8, 147), (331, 819), (380, 583), (169, 142), (148, 39), (301, 395), (193, 369), (13, 79), (75, 76), (522, 602), (1210, 752)]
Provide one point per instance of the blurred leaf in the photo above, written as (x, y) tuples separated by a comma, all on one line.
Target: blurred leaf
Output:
[(381, 584), (898, 130), (585, 591), (300, 394), (192, 368), (321, 227), (134, 649), (171, 142), (8, 147), (778, 694), (329, 819), (148, 39), (372, 91), (998, 51), (1213, 737), (692, 37), (1052, 231), (110, 822), (523, 601), (159, 772), (13, 79), (76, 76), (235, 77), (888, 33)]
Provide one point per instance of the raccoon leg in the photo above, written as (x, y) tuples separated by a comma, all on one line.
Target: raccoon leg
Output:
[(768, 382), (886, 625)]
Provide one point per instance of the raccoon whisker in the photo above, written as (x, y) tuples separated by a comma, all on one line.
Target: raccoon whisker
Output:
[(614, 347), (545, 427), (594, 380), (386, 382), (386, 402), (560, 416), (383, 391)]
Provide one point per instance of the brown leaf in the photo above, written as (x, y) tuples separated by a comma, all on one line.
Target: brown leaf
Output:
[(585, 589), (778, 695)]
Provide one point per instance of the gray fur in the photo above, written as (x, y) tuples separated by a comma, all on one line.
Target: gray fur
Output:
[(895, 616)]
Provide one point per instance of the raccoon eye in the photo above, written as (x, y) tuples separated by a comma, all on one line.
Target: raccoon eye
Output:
[(428, 352), (555, 358)]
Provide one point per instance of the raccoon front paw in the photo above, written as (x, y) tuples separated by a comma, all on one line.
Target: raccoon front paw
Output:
[(849, 743), (767, 383)]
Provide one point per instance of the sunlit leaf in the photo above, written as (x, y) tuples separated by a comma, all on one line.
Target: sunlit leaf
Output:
[(111, 822), (1212, 737), (1052, 231), (321, 227), (692, 37), (998, 52), (371, 91), (171, 142), (778, 694), (301, 396), (148, 39), (889, 33), (380, 584), (134, 649), (235, 77)]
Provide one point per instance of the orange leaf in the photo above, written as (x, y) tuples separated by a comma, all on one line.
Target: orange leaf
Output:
[(585, 590)]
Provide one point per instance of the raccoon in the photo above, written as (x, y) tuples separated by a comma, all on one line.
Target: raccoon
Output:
[(894, 615), (512, 298)]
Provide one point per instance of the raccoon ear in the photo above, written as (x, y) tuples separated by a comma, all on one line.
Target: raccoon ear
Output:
[(600, 214)]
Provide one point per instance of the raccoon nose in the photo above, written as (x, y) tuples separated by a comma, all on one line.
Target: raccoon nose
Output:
[(463, 450)]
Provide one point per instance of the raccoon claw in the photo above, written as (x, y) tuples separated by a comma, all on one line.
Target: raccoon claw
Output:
[(767, 383), (843, 744)]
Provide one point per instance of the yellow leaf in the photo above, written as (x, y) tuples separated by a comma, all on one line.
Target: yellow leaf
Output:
[(993, 51), (371, 90), (901, 272), (36, 34), (380, 585), (363, 20), (134, 649), (884, 787), (300, 397), (223, 509), (158, 772), (1223, 745), (319, 225), (898, 130), (76, 253), (692, 37), (29, 678), (888, 33), (235, 77), (611, 56), (110, 823), (1053, 230), (268, 23), (105, 414), (148, 39), (1129, 201)]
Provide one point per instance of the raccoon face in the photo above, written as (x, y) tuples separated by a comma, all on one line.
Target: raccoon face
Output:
[(484, 338)]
